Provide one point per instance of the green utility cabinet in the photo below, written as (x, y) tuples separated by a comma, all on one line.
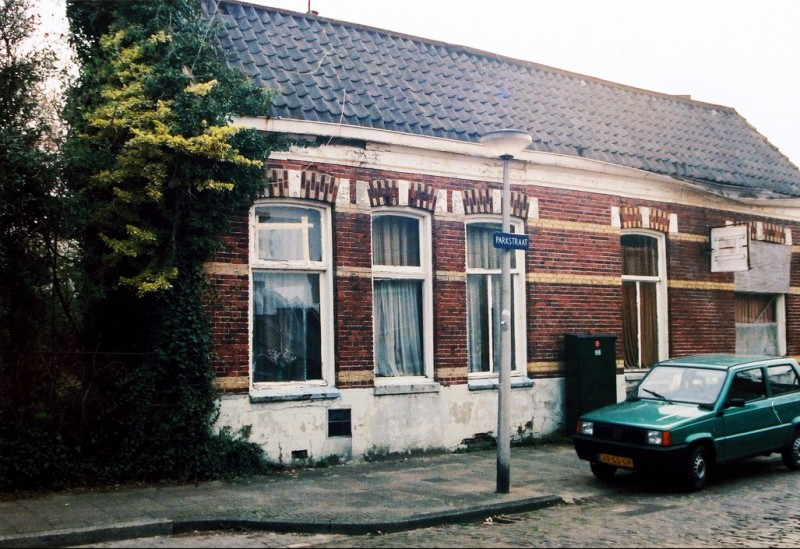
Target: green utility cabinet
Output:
[(591, 374)]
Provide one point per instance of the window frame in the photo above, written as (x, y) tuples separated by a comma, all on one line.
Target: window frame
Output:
[(660, 281), (423, 273), (323, 268), (517, 272), (778, 389), (757, 382)]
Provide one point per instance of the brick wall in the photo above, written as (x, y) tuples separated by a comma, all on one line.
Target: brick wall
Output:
[(573, 282), (702, 321)]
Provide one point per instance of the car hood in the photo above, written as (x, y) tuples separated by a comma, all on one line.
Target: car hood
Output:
[(655, 414)]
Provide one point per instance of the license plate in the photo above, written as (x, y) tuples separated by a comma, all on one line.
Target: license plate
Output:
[(616, 461)]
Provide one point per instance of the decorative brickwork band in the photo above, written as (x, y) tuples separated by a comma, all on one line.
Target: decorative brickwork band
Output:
[(519, 204), (637, 217), (477, 201), (384, 192), (299, 184), (769, 232), (659, 220), (395, 192), (318, 186), (421, 196), (277, 184), (630, 217)]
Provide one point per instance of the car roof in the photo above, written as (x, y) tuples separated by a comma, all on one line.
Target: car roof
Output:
[(724, 361)]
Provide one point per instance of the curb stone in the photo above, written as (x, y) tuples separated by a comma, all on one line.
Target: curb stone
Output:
[(167, 527), (90, 534)]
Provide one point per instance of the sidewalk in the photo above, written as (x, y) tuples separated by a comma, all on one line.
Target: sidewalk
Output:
[(353, 498)]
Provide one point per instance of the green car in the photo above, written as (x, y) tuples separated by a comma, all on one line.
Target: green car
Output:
[(690, 413)]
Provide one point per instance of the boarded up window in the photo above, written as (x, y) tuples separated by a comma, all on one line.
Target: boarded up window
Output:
[(770, 265), (756, 324)]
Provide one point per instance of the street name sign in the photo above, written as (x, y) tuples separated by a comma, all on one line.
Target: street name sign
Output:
[(510, 241)]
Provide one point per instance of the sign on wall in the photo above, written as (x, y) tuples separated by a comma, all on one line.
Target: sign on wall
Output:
[(770, 269), (510, 241), (730, 249)]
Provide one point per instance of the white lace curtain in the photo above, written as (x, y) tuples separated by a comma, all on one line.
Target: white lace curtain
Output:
[(397, 301), (398, 322)]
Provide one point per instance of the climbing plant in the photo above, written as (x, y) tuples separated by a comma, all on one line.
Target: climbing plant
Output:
[(158, 170)]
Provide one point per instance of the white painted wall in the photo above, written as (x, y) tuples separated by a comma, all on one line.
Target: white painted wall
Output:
[(390, 424)]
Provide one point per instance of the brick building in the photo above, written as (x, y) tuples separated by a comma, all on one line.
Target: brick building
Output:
[(355, 305)]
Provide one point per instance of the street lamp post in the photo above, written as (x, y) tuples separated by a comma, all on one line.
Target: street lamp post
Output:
[(504, 144)]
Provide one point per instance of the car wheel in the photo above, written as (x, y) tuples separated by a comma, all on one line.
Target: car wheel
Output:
[(697, 468), (602, 471), (791, 454)]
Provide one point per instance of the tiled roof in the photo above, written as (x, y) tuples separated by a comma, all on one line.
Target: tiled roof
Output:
[(331, 71)]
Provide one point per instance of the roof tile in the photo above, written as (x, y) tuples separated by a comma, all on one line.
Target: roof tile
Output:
[(414, 85)]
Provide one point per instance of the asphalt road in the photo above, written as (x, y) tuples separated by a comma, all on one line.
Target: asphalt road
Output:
[(755, 503)]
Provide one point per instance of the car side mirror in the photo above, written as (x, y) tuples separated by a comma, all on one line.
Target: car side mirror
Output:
[(736, 402)]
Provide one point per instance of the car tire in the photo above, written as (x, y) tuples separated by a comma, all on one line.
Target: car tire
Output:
[(697, 468), (602, 471), (791, 454)]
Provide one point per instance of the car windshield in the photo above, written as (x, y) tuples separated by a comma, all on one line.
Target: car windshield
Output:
[(682, 384)]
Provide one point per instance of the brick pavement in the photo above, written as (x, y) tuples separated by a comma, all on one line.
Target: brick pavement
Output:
[(749, 504), (387, 495)]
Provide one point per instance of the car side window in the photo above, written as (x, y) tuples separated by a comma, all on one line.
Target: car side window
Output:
[(782, 379), (748, 385)]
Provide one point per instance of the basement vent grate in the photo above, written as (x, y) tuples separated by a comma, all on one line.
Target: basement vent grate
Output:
[(339, 423)]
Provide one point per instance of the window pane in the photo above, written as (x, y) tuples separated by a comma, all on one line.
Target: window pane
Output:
[(478, 323), (649, 323), (398, 327), (288, 233), (497, 330), (640, 324), (484, 331), (286, 327), (747, 385), (630, 325), (481, 253), (395, 241), (782, 379), (639, 255)]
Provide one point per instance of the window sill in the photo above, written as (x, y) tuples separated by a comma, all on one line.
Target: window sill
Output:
[(283, 394), (491, 383), (410, 388)]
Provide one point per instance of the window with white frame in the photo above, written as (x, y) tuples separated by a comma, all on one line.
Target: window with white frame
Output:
[(484, 286), (644, 299), (402, 311), (291, 294)]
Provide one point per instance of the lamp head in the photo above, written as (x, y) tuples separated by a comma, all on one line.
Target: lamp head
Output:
[(506, 143)]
